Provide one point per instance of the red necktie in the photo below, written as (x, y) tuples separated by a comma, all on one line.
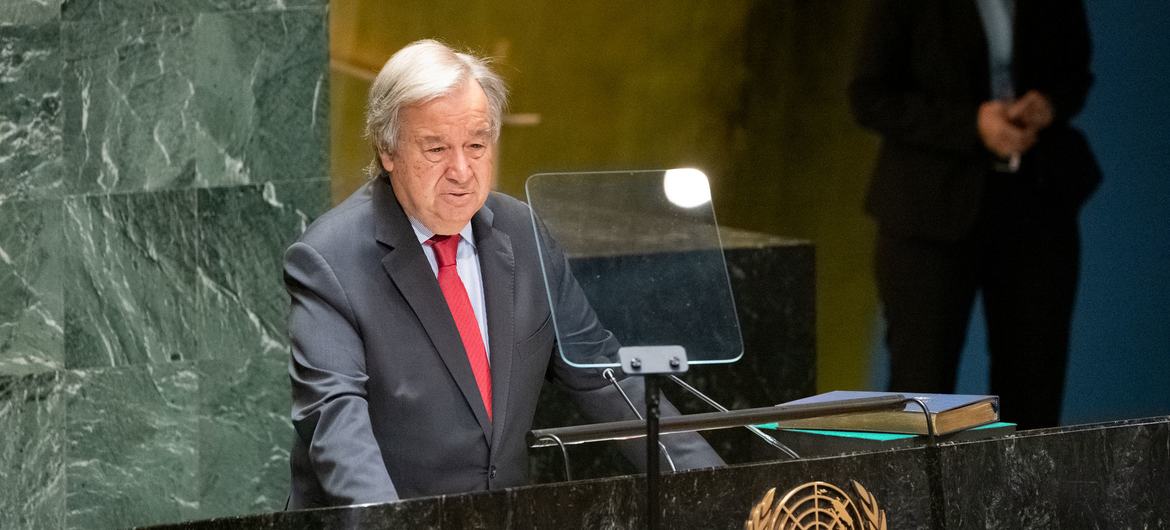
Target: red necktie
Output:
[(445, 248)]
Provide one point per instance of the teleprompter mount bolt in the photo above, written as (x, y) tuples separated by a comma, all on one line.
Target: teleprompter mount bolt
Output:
[(652, 360)]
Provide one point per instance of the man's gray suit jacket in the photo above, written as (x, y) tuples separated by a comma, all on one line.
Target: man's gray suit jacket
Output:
[(385, 405)]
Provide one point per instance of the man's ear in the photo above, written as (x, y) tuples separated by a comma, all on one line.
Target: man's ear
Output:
[(387, 162)]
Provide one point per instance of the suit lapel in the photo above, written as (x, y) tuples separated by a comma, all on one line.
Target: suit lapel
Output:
[(408, 269), (498, 268)]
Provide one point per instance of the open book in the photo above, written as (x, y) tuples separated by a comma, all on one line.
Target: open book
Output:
[(948, 412)]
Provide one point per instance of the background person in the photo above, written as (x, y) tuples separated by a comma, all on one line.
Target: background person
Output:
[(977, 187)]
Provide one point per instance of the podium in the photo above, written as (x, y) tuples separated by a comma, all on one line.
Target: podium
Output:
[(1106, 475)]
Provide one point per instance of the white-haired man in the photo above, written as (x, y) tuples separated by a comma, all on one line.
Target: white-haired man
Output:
[(420, 326)]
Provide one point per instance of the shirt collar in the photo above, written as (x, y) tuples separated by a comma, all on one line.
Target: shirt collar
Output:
[(423, 233)]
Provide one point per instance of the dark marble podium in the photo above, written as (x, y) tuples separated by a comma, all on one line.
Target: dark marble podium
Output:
[(1109, 475)]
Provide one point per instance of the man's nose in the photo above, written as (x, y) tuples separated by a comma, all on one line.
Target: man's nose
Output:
[(460, 170)]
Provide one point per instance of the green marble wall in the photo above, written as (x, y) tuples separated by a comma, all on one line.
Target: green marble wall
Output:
[(156, 157)]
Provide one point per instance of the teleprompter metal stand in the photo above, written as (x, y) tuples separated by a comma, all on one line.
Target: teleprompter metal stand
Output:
[(651, 363)]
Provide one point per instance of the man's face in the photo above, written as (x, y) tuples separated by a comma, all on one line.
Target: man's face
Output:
[(442, 170)]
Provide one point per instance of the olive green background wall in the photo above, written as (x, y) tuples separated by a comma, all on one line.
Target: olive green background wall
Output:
[(751, 92)]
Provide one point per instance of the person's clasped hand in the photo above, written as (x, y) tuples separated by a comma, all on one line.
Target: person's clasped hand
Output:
[(999, 133), (1033, 112), (1009, 129)]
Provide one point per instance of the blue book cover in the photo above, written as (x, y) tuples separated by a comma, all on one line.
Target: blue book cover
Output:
[(949, 413), (935, 402)]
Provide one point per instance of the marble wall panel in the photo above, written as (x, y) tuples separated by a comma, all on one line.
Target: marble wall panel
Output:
[(194, 100), (32, 308), (244, 231), (30, 108), (19, 12), (244, 436), (113, 9), (156, 158), (130, 294), (261, 97), (128, 94), (32, 451), (132, 445)]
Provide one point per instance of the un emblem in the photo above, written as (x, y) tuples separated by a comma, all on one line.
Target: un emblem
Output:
[(817, 505)]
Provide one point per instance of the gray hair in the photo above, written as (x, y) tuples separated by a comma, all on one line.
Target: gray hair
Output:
[(420, 72)]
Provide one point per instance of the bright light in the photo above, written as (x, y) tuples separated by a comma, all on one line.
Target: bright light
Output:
[(686, 187)]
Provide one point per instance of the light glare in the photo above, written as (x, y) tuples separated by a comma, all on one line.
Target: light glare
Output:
[(686, 187)]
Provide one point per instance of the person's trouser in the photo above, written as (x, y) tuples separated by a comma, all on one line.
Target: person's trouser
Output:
[(1024, 260)]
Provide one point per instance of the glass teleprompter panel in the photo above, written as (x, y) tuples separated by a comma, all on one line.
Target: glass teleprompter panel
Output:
[(644, 248)]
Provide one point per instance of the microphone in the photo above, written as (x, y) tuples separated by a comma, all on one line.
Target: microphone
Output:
[(714, 404), (608, 375)]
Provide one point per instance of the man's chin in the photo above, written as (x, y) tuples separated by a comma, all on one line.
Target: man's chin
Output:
[(453, 222)]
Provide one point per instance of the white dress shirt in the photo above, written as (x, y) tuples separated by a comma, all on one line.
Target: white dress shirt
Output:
[(467, 263)]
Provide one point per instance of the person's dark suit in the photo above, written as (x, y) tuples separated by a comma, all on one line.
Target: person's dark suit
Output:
[(948, 224), (385, 405)]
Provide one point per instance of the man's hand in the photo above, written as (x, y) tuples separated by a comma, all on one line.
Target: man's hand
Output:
[(1000, 133), (1033, 112)]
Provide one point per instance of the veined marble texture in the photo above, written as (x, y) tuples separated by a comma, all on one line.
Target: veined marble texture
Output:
[(30, 109), (192, 440), (17, 12), (31, 299), (130, 279), (194, 100), (244, 436), (32, 451), (156, 158), (82, 9), (244, 231), (155, 279), (167, 276), (132, 445)]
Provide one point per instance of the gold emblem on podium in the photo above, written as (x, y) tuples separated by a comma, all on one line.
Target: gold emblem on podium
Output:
[(817, 505)]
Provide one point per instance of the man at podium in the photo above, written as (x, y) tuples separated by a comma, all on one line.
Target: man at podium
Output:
[(420, 324)]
